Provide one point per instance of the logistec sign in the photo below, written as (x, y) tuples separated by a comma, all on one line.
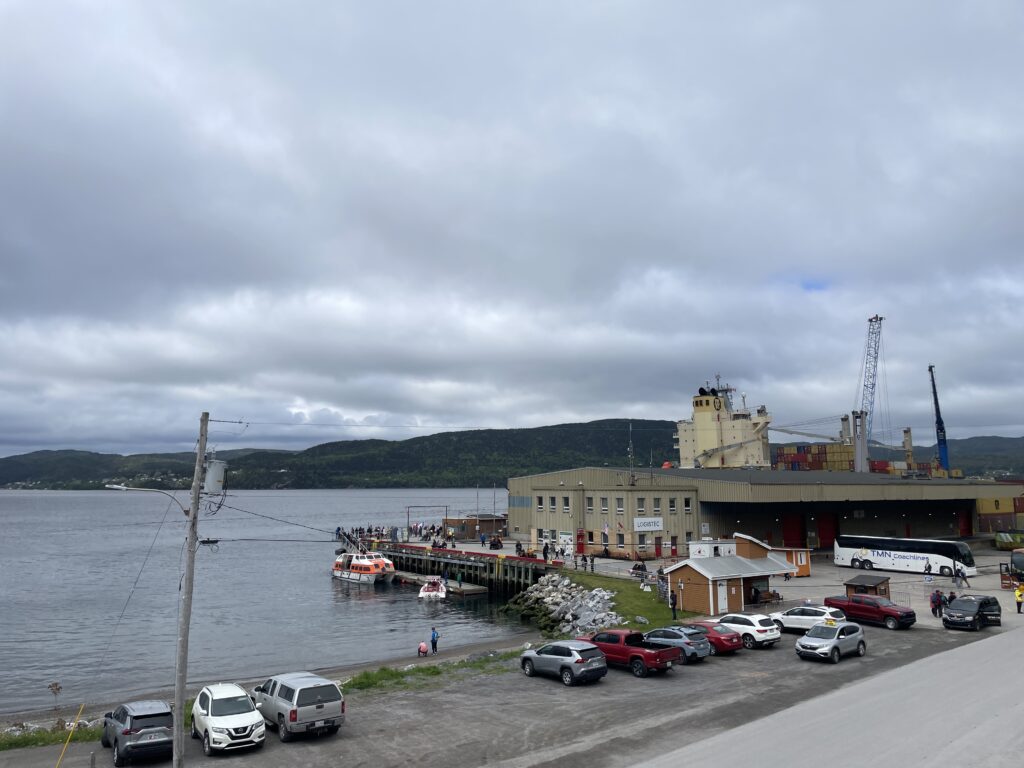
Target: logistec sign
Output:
[(642, 524)]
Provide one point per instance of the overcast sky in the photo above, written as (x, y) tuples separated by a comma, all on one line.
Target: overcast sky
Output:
[(385, 219)]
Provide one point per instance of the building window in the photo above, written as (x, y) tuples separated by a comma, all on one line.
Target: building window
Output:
[(689, 535), (657, 505), (686, 505), (619, 506), (590, 537), (516, 529), (590, 504), (997, 503), (620, 540), (565, 504), (604, 504), (604, 538), (641, 504), (642, 540), (540, 503), (554, 536), (540, 535), (551, 503), (672, 505)]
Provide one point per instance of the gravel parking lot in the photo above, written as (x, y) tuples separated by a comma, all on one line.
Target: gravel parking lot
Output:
[(507, 719)]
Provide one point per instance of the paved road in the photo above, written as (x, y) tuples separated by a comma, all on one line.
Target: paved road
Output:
[(509, 720)]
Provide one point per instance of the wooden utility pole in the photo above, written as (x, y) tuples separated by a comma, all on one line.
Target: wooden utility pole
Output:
[(185, 609)]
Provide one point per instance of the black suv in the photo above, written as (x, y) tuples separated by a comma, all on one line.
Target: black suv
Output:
[(972, 612), (137, 729)]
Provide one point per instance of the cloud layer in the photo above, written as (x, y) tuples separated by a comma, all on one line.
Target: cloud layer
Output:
[(343, 220)]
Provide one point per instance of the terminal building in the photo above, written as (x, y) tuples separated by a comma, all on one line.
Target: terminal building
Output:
[(656, 512)]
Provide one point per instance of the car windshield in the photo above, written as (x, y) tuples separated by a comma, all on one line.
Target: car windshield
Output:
[(822, 631), (232, 705), (765, 623), (318, 694), (723, 631), (702, 630), (156, 720), (968, 606)]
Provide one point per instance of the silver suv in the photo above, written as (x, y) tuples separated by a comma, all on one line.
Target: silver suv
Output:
[(138, 728), (571, 660), (832, 640), (300, 702)]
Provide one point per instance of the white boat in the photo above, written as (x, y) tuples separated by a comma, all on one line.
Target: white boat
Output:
[(434, 589), (355, 566), (388, 565)]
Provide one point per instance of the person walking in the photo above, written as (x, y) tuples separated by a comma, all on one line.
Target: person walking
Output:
[(935, 600), (672, 602), (446, 577), (434, 637), (962, 577), (1018, 595), (459, 578), (545, 552)]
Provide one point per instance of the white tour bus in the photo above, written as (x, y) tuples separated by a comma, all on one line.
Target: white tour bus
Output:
[(893, 554)]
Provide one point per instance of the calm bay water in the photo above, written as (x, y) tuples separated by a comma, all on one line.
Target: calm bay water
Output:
[(264, 599)]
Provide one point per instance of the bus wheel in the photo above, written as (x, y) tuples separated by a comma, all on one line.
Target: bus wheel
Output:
[(945, 571), (866, 565), (855, 563)]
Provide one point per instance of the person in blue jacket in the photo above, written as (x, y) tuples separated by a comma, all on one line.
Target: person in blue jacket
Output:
[(434, 635)]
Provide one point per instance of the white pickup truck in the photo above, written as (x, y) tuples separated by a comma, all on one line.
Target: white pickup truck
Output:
[(300, 702)]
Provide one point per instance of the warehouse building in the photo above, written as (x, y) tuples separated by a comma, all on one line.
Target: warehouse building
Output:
[(655, 512)]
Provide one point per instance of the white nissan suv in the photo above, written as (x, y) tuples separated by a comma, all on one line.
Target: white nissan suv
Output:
[(224, 717)]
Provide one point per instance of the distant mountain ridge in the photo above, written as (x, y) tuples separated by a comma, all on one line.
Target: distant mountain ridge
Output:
[(486, 457)]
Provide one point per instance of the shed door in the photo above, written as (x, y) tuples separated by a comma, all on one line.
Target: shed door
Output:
[(723, 596)]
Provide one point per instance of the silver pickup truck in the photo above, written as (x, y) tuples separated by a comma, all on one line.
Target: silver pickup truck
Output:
[(300, 702)]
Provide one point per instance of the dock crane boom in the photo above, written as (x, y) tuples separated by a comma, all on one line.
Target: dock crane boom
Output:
[(867, 402), (940, 428)]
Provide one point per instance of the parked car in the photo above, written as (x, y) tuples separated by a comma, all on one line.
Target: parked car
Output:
[(300, 702), (139, 729), (224, 717), (693, 643), (873, 609), (832, 640), (804, 617), (972, 612), (755, 629), (574, 661), (721, 638), (628, 648)]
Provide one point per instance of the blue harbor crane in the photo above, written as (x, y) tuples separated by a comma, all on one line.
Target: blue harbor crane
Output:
[(940, 428)]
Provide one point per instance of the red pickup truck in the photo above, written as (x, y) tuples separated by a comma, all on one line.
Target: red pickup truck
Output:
[(874, 609), (628, 648)]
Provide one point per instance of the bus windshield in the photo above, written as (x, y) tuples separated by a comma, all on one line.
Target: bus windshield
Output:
[(964, 554), (1017, 561)]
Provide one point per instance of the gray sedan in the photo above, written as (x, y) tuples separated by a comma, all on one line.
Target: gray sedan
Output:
[(692, 642), (832, 640), (571, 660)]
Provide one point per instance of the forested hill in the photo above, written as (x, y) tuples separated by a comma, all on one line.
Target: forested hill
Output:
[(447, 460)]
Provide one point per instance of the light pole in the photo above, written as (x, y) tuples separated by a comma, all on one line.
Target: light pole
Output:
[(185, 613)]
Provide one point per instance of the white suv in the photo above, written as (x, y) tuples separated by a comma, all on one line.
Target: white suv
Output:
[(756, 629), (224, 717)]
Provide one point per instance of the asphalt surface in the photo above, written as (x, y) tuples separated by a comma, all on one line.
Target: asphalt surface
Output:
[(507, 719)]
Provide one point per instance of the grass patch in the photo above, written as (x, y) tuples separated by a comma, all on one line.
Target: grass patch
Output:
[(46, 738), (389, 678), (630, 600)]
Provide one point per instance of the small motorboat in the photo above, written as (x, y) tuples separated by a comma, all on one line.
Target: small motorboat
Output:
[(434, 589), (355, 566)]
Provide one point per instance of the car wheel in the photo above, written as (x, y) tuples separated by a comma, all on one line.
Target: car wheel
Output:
[(834, 656), (567, 678), (528, 668), (118, 757), (207, 747), (779, 625), (713, 652), (977, 624), (282, 730), (945, 624), (866, 565), (636, 666), (861, 648), (104, 741), (748, 642), (685, 658), (891, 623), (195, 733)]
